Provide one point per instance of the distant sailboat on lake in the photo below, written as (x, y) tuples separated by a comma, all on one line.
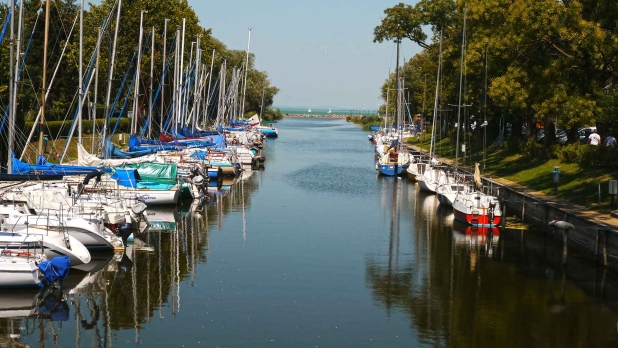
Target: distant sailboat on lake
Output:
[(309, 110)]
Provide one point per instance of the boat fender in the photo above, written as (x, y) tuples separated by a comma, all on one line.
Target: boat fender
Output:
[(563, 225)]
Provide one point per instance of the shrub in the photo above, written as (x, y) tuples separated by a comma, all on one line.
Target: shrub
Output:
[(55, 129)]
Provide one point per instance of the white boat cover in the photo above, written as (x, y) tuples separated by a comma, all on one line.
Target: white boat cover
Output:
[(86, 159)]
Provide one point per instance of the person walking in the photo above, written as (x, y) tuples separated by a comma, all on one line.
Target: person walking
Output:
[(610, 141), (594, 139)]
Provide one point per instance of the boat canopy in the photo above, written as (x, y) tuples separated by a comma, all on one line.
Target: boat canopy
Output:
[(161, 173)]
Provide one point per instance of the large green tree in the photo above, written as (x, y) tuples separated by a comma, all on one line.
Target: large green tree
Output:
[(550, 62)]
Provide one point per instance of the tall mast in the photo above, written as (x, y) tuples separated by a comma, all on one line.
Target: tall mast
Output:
[(96, 86), (44, 82), (435, 105), (12, 90), (196, 93), (110, 74), (262, 104), (152, 52), (485, 108), (180, 72), (80, 104), (244, 89), (461, 68), (163, 74), (137, 74), (212, 62), (176, 115), (397, 87)]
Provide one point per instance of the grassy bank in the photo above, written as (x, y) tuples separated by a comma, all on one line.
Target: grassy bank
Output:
[(578, 183), (57, 146)]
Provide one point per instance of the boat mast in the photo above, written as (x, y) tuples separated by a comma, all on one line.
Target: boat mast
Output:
[(12, 90), (197, 83), (244, 90), (180, 75), (397, 103), (96, 86), (212, 62), (137, 74), (435, 105), (163, 74), (80, 104), (262, 104), (175, 115), (152, 53), (461, 68), (485, 108), (110, 74), (44, 80)]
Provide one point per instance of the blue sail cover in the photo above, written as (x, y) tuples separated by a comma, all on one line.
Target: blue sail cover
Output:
[(56, 268), (44, 167), (208, 141), (126, 177), (112, 151)]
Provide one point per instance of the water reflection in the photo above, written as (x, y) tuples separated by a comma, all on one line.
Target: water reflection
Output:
[(477, 287)]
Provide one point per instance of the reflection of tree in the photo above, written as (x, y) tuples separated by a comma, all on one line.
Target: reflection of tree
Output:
[(456, 296)]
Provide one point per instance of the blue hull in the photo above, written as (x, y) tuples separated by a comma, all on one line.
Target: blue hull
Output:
[(270, 133), (389, 169)]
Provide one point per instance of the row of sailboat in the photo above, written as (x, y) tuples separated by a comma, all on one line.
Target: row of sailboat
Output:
[(471, 204), (63, 211)]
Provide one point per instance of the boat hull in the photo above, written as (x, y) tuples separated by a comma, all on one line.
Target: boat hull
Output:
[(16, 272), (389, 169), (476, 219)]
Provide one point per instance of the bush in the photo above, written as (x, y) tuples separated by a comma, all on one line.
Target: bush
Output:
[(55, 129), (588, 155)]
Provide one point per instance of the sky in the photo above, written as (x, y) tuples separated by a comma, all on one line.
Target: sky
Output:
[(319, 53)]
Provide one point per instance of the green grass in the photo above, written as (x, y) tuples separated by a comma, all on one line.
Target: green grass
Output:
[(578, 184)]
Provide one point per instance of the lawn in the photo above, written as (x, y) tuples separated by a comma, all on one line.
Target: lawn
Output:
[(578, 184)]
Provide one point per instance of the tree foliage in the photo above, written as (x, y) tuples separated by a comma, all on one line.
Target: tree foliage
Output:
[(62, 102), (549, 62)]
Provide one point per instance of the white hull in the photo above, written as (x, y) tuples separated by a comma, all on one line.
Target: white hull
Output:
[(51, 244), (18, 272), (152, 197)]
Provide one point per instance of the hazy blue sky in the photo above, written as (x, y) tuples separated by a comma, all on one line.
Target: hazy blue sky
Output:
[(319, 53)]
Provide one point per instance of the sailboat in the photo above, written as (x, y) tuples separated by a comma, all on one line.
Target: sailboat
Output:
[(329, 111), (396, 157), (470, 206), (426, 174)]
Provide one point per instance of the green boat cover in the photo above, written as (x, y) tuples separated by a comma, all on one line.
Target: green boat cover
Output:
[(161, 173)]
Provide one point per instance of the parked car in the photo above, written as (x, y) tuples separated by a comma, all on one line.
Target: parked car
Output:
[(561, 136), (584, 133)]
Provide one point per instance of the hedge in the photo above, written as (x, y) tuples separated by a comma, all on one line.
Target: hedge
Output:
[(54, 129)]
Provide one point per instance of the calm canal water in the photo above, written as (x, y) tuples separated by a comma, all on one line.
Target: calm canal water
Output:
[(317, 250)]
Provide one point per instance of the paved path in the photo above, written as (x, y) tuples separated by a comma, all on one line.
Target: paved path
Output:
[(609, 220)]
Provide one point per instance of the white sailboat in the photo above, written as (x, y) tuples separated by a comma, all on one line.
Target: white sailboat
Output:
[(309, 110)]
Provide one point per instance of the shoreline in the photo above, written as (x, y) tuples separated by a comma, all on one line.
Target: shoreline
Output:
[(317, 116)]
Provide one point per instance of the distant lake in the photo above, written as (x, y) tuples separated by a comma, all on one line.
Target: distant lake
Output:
[(324, 111)]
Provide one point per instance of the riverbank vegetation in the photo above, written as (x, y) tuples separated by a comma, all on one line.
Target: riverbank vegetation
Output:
[(532, 70), (62, 101), (579, 183), (550, 64), (366, 121)]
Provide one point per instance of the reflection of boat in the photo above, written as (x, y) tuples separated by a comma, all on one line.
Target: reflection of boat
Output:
[(48, 302), (18, 303), (466, 234)]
